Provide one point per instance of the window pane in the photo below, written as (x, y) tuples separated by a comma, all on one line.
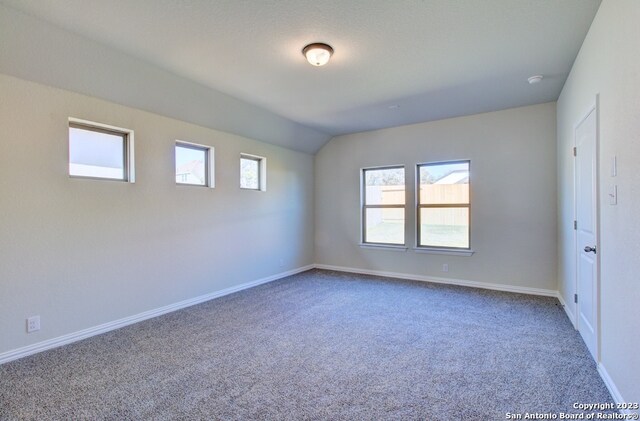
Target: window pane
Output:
[(191, 165), (384, 225), (444, 227), (249, 173), (384, 186), (444, 183), (96, 154)]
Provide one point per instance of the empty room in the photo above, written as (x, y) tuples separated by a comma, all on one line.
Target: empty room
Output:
[(319, 210)]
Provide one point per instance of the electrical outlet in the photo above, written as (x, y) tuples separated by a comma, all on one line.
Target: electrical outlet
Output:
[(445, 267), (33, 324)]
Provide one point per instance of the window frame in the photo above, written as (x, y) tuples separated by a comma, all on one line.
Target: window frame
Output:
[(127, 148), (364, 207), (209, 163), (442, 249), (262, 171)]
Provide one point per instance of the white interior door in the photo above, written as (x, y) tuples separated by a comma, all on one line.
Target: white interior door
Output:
[(586, 238)]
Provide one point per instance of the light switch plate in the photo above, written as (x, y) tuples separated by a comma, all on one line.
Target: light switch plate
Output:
[(614, 166)]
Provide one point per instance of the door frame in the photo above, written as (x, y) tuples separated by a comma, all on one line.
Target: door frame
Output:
[(593, 107)]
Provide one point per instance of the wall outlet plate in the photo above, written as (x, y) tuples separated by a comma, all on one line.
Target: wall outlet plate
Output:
[(33, 324)]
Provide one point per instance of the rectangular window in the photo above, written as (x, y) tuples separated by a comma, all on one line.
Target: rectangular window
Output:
[(194, 164), (100, 151), (383, 205), (253, 172), (443, 205)]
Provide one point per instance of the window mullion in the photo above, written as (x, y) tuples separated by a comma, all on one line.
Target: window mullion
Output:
[(444, 205)]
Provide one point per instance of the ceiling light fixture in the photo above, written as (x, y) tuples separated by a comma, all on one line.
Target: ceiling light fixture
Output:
[(317, 54), (535, 79)]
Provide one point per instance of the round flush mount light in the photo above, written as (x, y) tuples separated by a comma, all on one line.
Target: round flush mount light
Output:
[(317, 54), (535, 79)]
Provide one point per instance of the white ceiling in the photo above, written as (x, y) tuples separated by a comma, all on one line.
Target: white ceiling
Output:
[(426, 59)]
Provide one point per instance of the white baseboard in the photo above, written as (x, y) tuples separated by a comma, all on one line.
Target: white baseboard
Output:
[(106, 327), (449, 281), (570, 315), (615, 393)]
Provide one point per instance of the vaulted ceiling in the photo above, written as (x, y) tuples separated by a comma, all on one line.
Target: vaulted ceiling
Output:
[(395, 62)]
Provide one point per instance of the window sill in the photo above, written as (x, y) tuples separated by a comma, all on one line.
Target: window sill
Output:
[(443, 251), (383, 247), (193, 185)]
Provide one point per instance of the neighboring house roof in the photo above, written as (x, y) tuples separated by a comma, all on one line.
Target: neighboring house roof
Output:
[(454, 177), (195, 168)]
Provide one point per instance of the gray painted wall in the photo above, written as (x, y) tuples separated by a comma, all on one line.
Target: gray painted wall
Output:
[(513, 188), (82, 252), (608, 64)]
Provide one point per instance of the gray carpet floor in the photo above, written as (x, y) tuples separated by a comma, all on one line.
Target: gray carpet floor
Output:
[(319, 345)]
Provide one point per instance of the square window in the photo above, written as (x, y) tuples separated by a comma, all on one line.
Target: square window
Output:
[(252, 172), (444, 227), (193, 164), (99, 151), (384, 225)]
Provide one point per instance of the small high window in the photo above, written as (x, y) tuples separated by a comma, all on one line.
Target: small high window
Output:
[(383, 205), (443, 205), (194, 164), (252, 172), (100, 151)]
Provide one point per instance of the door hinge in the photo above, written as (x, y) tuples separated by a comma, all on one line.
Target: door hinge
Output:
[(575, 225), (575, 151), (575, 298)]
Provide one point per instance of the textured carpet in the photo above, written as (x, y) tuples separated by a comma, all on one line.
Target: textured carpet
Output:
[(319, 345)]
